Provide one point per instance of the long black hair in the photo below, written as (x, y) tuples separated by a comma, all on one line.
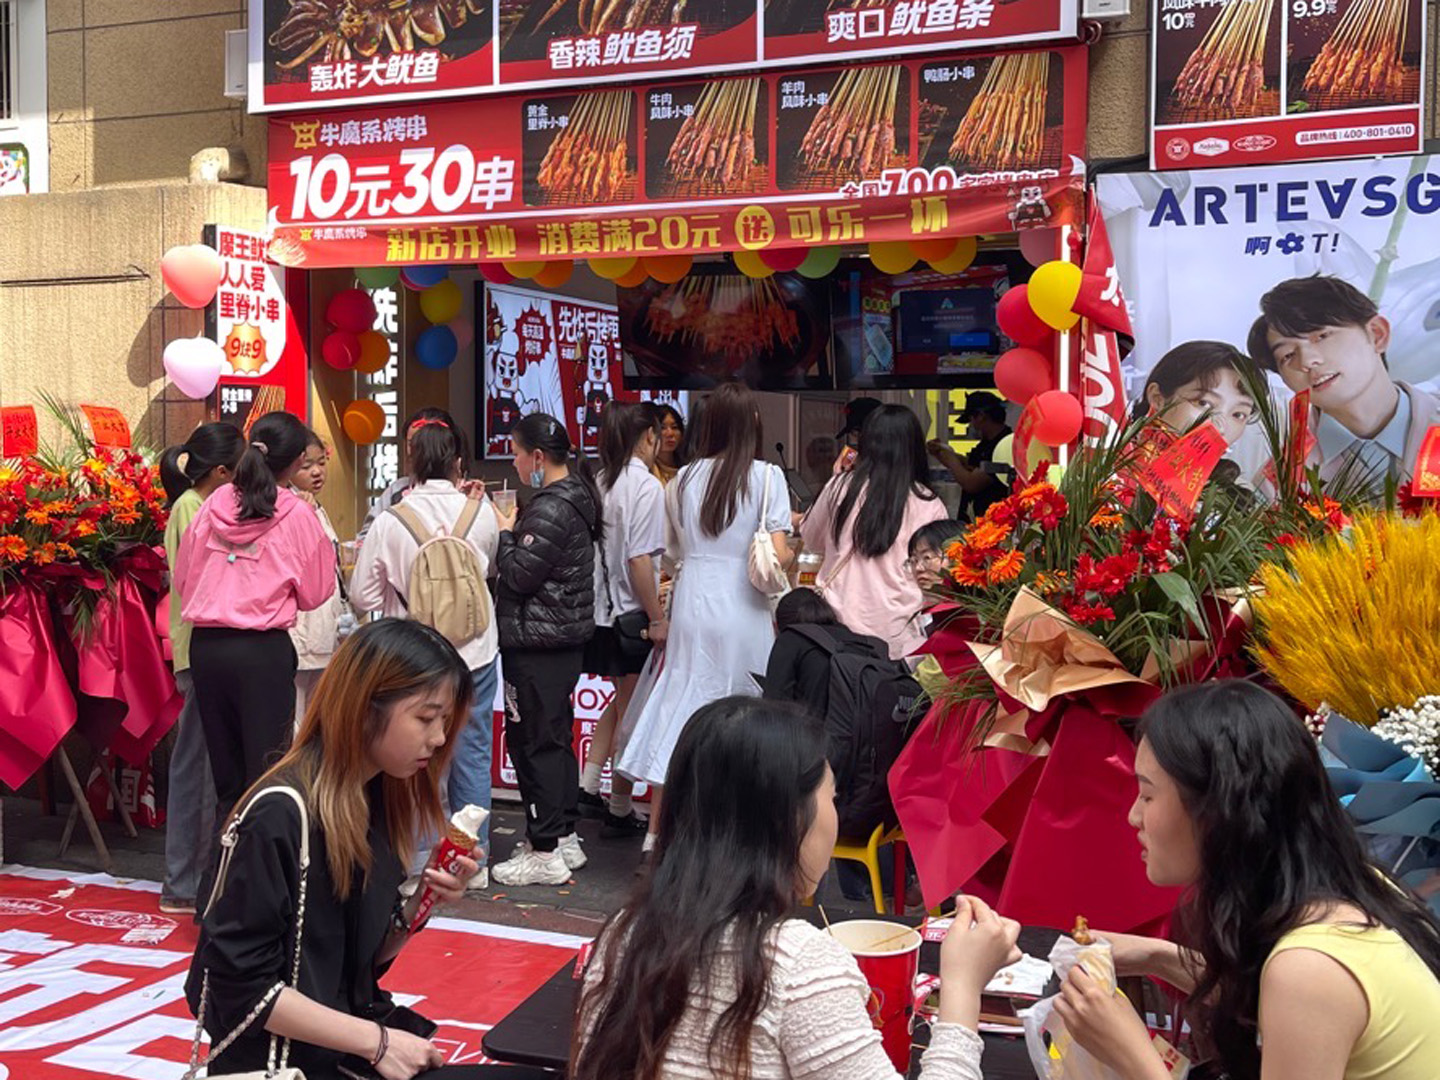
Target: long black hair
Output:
[(891, 467), (730, 431), (277, 441), (739, 799), (209, 447), (804, 607), (1275, 845), (624, 425), (540, 431), (435, 452), (665, 412)]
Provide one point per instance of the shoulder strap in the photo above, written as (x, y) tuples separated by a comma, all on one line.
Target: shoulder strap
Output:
[(821, 586), (411, 520), (817, 635), (279, 1049), (466, 521), (765, 499)]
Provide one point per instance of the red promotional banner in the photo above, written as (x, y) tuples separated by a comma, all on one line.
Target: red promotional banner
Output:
[(108, 426), (846, 155), (20, 431), (306, 54), (1252, 82)]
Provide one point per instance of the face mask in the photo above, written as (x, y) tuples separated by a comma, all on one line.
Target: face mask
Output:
[(537, 478)]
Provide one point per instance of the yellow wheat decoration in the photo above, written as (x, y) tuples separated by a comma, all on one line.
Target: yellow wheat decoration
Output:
[(1354, 620)]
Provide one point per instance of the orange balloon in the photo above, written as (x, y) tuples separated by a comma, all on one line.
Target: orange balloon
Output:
[(633, 277), (751, 265), (892, 256), (555, 274), (932, 251), (523, 268), (363, 422), (667, 268), (611, 268), (960, 259), (374, 352)]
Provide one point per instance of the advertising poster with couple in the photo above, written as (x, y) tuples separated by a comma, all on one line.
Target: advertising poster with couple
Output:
[(553, 355), (1327, 275)]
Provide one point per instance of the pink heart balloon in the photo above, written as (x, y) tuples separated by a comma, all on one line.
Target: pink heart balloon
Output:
[(192, 272), (195, 365)]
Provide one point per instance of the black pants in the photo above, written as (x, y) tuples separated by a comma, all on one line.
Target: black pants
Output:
[(245, 687), (538, 686)]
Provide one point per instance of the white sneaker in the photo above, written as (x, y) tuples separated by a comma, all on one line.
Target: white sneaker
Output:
[(571, 851), (480, 881), (531, 867)]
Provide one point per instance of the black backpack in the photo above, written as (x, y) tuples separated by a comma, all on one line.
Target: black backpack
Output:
[(873, 708)]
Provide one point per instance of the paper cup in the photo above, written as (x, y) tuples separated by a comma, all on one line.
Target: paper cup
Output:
[(889, 957)]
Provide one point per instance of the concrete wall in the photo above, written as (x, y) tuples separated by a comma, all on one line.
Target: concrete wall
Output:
[(136, 88), (83, 311)]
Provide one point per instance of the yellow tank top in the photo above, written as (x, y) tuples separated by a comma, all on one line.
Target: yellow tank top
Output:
[(1399, 1042)]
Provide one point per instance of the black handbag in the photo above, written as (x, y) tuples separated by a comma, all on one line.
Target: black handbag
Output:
[(632, 629)]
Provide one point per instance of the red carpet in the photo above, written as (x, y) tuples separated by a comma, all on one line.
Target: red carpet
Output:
[(91, 979)]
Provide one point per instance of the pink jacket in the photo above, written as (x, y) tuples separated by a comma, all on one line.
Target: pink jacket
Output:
[(253, 575)]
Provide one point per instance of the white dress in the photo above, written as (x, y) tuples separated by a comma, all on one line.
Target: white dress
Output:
[(720, 626)]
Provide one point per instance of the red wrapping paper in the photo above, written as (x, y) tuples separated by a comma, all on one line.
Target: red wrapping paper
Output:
[(37, 708)]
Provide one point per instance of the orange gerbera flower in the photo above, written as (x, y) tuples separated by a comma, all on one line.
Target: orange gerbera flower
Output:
[(37, 515), (1032, 494), (12, 548), (42, 555), (967, 576), (85, 527), (64, 551), (986, 534), (1047, 584), (1107, 517), (129, 516), (1006, 568)]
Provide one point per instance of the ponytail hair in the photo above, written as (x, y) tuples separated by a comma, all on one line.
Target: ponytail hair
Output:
[(435, 451), (277, 441), (210, 446), (625, 424), (540, 431)]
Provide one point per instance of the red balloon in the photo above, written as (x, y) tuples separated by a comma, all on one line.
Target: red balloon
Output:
[(352, 310), (784, 260), (341, 350), (1022, 373), (495, 273), (1056, 418), (1019, 323)]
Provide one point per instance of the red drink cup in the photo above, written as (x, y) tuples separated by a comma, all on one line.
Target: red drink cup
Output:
[(889, 957)]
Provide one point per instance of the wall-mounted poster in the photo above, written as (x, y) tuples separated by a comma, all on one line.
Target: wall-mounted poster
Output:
[(1327, 275), (554, 355), (14, 169), (1262, 81)]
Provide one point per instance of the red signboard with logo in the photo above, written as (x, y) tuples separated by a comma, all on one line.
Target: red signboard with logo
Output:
[(868, 152), (1250, 82), (309, 54)]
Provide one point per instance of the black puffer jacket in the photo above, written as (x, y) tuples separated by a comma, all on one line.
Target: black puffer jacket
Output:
[(546, 567)]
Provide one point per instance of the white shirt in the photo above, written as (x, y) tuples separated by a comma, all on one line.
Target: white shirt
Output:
[(382, 567), (634, 526)]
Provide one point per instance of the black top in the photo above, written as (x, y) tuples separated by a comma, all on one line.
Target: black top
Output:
[(973, 505), (247, 936), (545, 597), (799, 669)]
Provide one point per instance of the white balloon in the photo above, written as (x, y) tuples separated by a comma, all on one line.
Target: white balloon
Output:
[(195, 365)]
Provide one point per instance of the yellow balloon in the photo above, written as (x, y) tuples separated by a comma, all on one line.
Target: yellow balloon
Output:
[(1053, 289), (523, 268), (612, 268), (960, 259), (892, 256), (441, 303), (750, 264)]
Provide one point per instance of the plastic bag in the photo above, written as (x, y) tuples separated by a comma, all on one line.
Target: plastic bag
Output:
[(1053, 1051)]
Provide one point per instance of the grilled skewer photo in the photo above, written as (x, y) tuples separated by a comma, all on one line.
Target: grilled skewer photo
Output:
[(1225, 75), (1004, 128), (588, 162), (854, 132), (716, 143), (1364, 58)]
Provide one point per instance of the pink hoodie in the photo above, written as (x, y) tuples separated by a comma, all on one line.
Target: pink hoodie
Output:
[(253, 575)]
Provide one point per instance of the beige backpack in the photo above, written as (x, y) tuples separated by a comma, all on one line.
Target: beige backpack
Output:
[(447, 582)]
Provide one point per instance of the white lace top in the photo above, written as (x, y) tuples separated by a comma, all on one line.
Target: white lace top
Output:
[(815, 1023)]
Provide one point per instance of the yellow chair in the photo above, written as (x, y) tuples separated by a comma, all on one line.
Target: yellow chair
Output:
[(867, 853)]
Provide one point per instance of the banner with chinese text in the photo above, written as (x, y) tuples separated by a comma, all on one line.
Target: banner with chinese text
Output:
[(1254, 82), (548, 354), (305, 54), (1329, 273), (253, 323), (844, 155)]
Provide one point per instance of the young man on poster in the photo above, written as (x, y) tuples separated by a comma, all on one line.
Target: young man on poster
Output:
[(1322, 334)]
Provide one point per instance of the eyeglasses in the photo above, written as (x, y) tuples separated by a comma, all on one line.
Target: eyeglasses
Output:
[(930, 560)]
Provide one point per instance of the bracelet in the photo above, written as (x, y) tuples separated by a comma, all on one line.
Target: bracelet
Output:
[(384, 1047)]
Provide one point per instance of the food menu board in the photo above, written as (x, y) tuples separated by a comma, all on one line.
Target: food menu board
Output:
[(1261, 81), (313, 53), (880, 151)]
